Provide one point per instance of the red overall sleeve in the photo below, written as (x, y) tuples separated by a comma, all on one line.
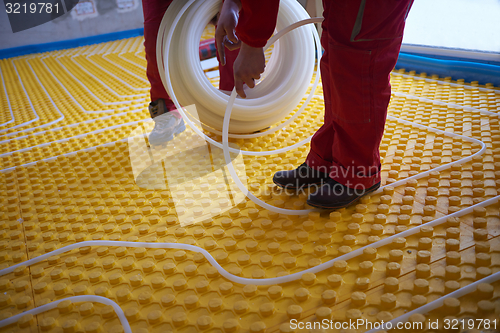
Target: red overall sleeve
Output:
[(257, 21)]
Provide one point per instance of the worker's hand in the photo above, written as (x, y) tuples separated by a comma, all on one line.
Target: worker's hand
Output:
[(248, 67), (225, 34)]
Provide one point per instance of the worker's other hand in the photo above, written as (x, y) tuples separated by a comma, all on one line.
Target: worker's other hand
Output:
[(225, 34), (248, 67)]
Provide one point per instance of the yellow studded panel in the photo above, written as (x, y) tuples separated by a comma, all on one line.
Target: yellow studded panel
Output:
[(71, 145)]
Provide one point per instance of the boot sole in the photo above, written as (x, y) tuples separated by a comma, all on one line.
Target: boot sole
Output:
[(342, 205), (294, 187)]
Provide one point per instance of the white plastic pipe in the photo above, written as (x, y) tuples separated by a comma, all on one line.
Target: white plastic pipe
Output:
[(271, 281), (83, 86), (436, 304), (439, 102), (12, 119), (274, 39), (31, 105), (74, 299), (83, 135), (73, 59), (224, 273), (79, 105), (125, 83), (238, 279)]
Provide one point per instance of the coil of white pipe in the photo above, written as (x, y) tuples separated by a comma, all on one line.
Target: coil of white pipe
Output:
[(269, 102)]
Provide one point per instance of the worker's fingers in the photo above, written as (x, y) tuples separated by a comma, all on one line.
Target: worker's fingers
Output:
[(232, 46), (231, 36), (250, 83), (222, 54), (219, 40), (238, 84)]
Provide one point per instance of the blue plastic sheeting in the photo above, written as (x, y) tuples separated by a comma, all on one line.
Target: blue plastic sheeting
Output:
[(469, 71), (66, 44)]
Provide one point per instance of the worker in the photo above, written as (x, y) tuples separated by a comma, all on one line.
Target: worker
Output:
[(168, 121), (361, 41)]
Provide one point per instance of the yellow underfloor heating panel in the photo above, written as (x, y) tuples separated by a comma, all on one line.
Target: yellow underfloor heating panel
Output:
[(76, 167)]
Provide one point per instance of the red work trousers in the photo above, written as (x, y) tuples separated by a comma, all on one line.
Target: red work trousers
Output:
[(361, 39), (153, 11)]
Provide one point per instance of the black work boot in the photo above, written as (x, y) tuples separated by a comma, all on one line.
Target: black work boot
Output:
[(333, 195), (166, 124), (301, 177)]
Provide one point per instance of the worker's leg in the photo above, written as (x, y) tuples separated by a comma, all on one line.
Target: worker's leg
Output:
[(320, 157), (168, 121), (226, 72), (314, 172), (153, 11), (362, 42)]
